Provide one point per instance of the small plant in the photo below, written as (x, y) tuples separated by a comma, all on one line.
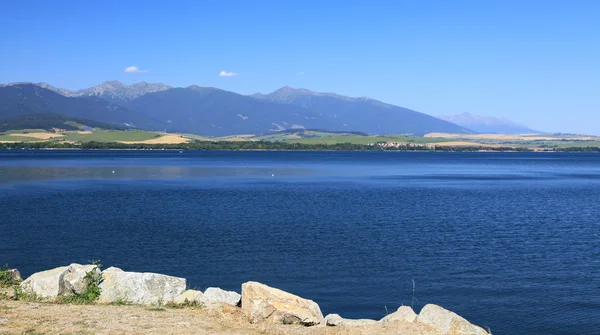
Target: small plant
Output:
[(185, 304), (412, 305), (7, 277), (120, 302), (159, 306), (29, 296)]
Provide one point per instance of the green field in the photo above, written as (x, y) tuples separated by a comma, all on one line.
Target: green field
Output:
[(319, 137), (111, 136), (8, 138), (197, 137), (355, 139), (24, 131), (323, 137), (315, 137), (559, 144)]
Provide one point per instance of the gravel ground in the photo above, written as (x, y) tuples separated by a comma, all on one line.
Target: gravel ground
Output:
[(18, 317)]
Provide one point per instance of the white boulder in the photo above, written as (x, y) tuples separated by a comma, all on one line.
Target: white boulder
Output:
[(74, 281), (447, 322), (215, 294), (45, 284), (139, 288)]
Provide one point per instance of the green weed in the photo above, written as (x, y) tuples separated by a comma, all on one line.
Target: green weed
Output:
[(7, 278)]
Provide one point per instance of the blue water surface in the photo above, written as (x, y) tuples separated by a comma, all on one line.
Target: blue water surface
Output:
[(507, 240)]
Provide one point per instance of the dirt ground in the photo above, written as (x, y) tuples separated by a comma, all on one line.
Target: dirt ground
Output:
[(166, 139), (18, 317)]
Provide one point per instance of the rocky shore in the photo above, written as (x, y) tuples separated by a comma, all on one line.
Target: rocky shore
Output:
[(258, 306)]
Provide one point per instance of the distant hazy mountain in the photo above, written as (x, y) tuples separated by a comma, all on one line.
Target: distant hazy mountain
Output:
[(215, 112), (362, 114), (487, 124), (19, 100)]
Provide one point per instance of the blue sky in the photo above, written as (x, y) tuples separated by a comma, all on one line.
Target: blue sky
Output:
[(536, 62)]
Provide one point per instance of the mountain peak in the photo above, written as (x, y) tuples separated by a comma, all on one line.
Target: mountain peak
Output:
[(291, 90), (61, 91), (113, 83)]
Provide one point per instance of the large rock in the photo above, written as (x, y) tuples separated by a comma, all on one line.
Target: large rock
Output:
[(264, 304), (139, 288), (189, 297), (216, 294), (404, 313), (447, 322), (74, 281), (336, 320), (61, 281), (45, 284)]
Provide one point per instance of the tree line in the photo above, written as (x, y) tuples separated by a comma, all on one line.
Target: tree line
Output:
[(265, 145)]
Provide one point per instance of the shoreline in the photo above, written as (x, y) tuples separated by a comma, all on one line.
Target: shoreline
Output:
[(77, 296), (596, 150)]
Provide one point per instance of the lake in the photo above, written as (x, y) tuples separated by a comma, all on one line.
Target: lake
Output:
[(507, 240)]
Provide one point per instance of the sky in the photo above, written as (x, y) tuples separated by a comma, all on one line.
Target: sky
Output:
[(532, 61)]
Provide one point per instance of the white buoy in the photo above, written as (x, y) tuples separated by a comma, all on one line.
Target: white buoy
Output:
[(113, 171), (272, 175)]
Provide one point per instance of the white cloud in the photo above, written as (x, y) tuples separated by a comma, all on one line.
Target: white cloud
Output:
[(134, 69), (300, 73), (227, 74)]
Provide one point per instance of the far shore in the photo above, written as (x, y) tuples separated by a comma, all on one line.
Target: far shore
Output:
[(153, 147)]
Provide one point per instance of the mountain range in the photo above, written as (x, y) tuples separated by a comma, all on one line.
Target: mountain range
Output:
[(215, 112), (488, 125)]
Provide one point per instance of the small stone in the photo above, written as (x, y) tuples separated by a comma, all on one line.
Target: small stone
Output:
[(334, 320)]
